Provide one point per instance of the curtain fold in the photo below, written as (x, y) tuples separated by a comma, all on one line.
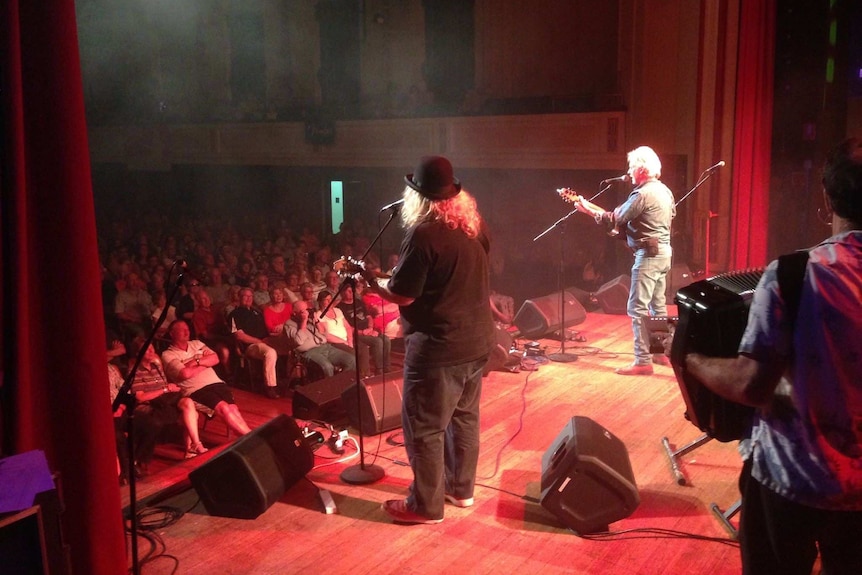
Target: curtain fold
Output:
[(752, 147), (54, 391)]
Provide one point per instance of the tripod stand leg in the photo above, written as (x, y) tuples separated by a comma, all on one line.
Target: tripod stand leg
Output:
[(673, 455), (724, 517)]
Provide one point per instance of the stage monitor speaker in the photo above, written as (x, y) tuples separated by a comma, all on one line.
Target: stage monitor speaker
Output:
[(540, 316), (380, 405), (587, 479), (321, 399), (249, 476), (613, 296)]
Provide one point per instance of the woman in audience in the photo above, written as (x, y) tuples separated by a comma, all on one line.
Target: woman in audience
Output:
[(316, 281), (211, 328), (333, 324), (160, 300), (291, 289), (278, 311), (159, 405), (115, 350)]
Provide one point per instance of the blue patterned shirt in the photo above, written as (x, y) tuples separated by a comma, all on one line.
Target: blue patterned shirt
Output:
[(807, 445)]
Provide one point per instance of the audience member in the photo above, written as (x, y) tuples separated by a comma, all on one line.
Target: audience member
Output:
[(333, 282), (306, 294), (277, 271), (502, 308), (260, 295), (278, 311), (316, 280), (323, 259), (217, 289), (371, 343), (159, 405), (249, 328), (160, 300), (115, 383), (310, 342), (189, 363), (233, 300), (385, 315), (292, 287), (133, 306), (244, 276), (333, 324), (210, 327), (189, 301)]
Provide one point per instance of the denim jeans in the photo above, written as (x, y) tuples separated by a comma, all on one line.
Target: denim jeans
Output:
[(328, 357), (440, 417), (647, 296)]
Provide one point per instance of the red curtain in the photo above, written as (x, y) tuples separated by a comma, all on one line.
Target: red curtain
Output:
[(753, 133), (54, 390)]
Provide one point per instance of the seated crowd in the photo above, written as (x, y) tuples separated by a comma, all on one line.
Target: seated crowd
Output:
[(243, 295), (166, 391)]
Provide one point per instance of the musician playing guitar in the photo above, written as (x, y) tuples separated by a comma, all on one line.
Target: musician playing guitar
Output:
[(644, 220)]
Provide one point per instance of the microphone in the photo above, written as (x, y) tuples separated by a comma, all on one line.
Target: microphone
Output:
[(394, 204), (181, 263), (715, 167), (623, 178)]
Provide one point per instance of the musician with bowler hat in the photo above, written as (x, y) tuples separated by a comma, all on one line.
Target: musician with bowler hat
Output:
[(441, 284)]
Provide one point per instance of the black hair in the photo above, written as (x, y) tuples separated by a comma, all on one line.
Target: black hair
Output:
[(842, 179)]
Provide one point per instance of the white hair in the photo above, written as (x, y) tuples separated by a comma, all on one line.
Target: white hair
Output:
[(647, 160)]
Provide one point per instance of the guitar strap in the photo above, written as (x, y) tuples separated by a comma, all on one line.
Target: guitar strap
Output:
[(790, 275)]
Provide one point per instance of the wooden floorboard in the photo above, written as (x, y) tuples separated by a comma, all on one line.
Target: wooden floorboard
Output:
[(672, 531)]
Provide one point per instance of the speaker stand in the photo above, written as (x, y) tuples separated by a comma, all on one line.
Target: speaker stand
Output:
[(724, 517), (672, 455)]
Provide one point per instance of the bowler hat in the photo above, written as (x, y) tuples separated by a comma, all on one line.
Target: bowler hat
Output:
[(433, 178)]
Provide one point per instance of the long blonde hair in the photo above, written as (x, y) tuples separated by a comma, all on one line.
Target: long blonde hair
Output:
[(457, 212)]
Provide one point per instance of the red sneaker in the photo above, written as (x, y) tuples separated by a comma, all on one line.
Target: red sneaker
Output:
[(635, 369), (397, 509)]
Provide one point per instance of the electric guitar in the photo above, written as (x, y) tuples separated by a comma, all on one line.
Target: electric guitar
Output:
[(582, 204)]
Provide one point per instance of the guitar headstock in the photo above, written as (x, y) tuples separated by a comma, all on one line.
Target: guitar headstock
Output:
[(346, 266), (569, 195)]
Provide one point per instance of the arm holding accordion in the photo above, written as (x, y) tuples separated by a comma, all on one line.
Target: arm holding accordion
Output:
[(740, 379)]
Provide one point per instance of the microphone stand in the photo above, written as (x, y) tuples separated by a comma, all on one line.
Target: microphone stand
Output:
[(707, 174), (562, 356), (362, 473), (127, 398)]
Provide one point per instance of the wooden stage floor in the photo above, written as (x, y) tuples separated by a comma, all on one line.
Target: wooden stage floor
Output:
[(672, 531)]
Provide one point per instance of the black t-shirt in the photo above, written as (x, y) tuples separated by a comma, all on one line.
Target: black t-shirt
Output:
[(449, 321), (363, 321), (250, 321)]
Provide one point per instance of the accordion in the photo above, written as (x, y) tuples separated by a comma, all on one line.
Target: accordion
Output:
[(713, 314)]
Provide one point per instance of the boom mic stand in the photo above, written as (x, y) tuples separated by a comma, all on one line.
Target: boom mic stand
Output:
[(562, 356), (707, 174), (127, 398), (363, 473)]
